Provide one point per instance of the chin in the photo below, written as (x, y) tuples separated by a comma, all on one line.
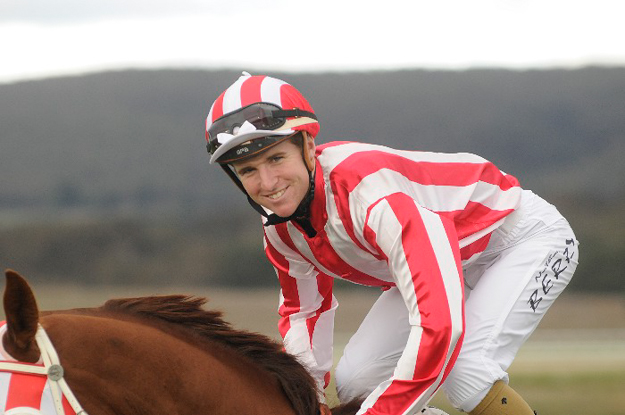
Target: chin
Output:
[(284, 212)]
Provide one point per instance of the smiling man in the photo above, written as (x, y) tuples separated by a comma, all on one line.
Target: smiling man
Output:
[(422, 226), (277, 179)]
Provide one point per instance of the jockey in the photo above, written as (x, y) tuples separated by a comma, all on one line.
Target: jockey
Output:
[(468, 261)]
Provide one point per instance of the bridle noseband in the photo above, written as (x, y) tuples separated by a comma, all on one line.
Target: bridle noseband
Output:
[(52, 369)]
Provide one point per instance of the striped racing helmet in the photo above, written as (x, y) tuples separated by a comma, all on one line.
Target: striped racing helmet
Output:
[(254, 114)]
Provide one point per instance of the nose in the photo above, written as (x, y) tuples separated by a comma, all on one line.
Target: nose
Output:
[(268, 179)]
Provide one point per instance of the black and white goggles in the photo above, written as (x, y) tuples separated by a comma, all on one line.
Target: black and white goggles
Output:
[(261, 119)]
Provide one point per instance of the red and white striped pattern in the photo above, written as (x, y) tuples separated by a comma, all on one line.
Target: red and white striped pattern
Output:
[(28, 392), (249, 89), (386, 217)]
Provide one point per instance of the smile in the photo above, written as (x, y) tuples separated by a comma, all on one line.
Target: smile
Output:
[(276, 195)]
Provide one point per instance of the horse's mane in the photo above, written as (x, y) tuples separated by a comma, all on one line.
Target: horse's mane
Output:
[(186, 312)]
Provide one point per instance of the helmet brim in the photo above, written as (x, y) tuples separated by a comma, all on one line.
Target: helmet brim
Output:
[(240, 139), (285, 130)]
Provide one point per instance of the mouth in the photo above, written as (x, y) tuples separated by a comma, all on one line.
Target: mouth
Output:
[(276, 195)]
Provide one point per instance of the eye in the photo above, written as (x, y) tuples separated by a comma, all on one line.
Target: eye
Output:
[(245, 171), (276, 158)]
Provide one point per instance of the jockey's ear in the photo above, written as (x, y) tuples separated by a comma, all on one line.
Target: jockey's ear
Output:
[(308, 148)]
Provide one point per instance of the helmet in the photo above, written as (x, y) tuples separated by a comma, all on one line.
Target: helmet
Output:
[(254, 114)]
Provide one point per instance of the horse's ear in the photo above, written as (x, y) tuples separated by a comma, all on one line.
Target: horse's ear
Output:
[(22, 316)]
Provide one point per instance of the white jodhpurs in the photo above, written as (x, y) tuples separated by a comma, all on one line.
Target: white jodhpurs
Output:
[(508, 289)]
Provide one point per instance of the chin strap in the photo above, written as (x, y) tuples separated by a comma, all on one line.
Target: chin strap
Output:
[(301, 214)]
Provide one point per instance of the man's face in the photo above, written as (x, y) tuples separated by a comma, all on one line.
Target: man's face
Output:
[(276, 179)]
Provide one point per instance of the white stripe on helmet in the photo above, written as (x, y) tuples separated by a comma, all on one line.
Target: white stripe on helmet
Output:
[(270, 91), (232, 96)]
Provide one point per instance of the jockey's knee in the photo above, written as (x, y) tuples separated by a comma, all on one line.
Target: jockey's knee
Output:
[(470, 380), (359, 380)]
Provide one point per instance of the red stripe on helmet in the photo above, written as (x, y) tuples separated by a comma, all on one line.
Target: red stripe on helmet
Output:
[(218, 107), (250, 90), (292, 98)]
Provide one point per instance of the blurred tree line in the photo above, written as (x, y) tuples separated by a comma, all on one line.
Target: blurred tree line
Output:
[(124, 250), (105, 177), (228, 251)]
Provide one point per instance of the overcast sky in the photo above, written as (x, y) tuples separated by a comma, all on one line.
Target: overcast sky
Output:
[(42, 38)]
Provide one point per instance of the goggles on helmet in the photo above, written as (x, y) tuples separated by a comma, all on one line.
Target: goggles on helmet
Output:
[(262, 115)]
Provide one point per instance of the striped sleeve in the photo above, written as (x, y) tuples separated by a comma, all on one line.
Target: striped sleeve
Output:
[(307, 308), (426, 269), (464, 187)]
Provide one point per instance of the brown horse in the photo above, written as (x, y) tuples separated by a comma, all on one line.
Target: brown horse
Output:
[(157, 355)]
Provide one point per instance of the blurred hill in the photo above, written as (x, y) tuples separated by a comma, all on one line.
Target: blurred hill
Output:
[(105, 177)]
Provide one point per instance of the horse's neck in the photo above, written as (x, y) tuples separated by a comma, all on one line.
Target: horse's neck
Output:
[(121, 366)]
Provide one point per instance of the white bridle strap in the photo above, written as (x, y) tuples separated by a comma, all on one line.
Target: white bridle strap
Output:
[(52, 369), (20, 367)]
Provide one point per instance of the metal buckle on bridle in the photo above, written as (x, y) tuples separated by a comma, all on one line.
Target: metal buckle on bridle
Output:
[(52, 369)]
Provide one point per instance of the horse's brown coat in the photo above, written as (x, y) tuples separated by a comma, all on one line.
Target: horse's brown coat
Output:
[(161, 355)]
